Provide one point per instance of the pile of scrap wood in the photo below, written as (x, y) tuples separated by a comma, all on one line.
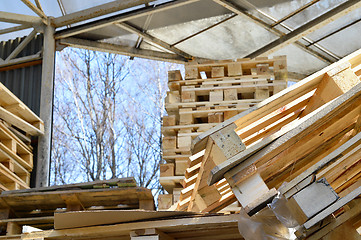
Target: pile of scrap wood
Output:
[(302, 143), (36, 207), (17, 125), (139, 225), (211, 93)]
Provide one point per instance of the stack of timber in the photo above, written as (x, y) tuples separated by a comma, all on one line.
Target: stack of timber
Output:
[(303, 143), (36, 207), (211, 93), (17, 125)]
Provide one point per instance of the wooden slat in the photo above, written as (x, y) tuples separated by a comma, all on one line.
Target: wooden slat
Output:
[(20, 123)]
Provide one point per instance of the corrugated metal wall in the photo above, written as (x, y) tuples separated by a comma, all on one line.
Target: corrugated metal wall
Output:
[(25, 82)]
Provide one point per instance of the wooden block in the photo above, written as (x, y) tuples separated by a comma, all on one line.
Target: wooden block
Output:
[(261, 94), (174, 86), (281, 85), (149, 234), (230, 94), (217, 72), (228, 142), (229, 114), (166, 170), (216, 96), (262, 84), (234, 69), (146, 204), (185, 118), (169, 120), (165, 201), (180, 167), (311, 200), (191, 72), (254, 71), (13, 229), (10, 143), (280, 64), (169, 142), (250, 189), (188, 96), (176, 194), (174, 75), (281, 75), (184, 141), (215, 117), (262, 69), (261, 202), (172, 97), (209, 194)]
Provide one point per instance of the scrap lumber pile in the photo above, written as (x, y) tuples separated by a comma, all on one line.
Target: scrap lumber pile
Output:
[(210, 94), (302, 143), (139, 225), (36, 207), (17, 124)]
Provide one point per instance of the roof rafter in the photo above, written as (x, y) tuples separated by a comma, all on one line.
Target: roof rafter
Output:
[(97, 11), (308, 28), (19, 18), (148, 37), (124, 50), (238, 10), (121, 18), (14, 29), (36, 10)]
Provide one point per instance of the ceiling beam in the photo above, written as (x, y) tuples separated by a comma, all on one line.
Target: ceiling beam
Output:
[(19, 18), (147, 37), (121, 18), (238, 10), (14, 29), (97, 11), (35, 9), (123, 50), (307, 28)]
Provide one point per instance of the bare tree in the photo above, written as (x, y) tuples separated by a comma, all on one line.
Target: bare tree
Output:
[(108, 117)]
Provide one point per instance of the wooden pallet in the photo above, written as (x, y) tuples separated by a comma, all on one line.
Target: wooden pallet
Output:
[(211, 93), (308, 132), (16, 113), (36, 207)]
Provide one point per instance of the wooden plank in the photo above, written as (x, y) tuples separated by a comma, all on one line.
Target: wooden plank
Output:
[(181, 225), (310, 143), (332, 157), (20, 123), (7, 97), (291, 133), (339, 221)]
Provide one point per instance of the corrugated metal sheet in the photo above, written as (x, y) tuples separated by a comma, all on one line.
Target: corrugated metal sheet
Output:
[(25, 82)]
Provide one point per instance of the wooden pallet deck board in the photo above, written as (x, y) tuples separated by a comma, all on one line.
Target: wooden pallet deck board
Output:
[(18, 114)]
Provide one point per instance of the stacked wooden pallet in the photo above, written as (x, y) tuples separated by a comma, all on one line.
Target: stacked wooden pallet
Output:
[(303, 143), (210, 94), (36, 207), (17, 124)]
